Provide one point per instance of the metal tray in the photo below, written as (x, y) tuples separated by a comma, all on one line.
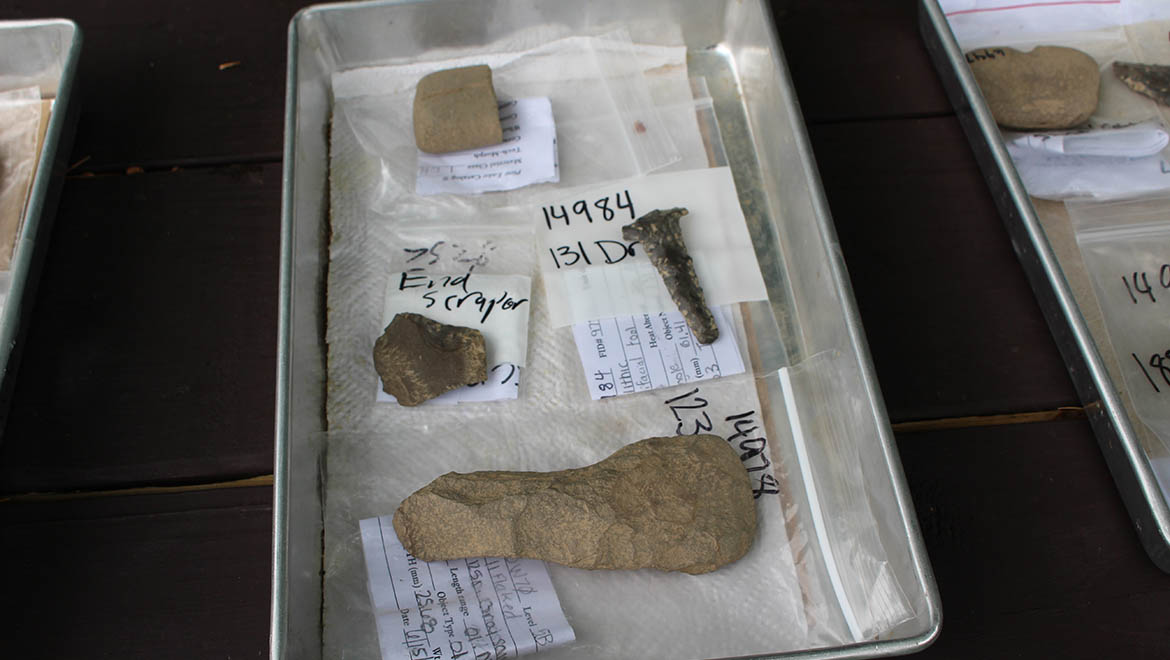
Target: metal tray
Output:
[(44, 53), (811, 308), (1104, 402)]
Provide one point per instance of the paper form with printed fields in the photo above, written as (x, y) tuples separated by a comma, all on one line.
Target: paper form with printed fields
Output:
[(628, 354), (481, 607)]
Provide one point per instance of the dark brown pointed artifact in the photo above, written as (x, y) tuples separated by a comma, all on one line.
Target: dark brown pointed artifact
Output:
[(661, 237), (1152, 80)]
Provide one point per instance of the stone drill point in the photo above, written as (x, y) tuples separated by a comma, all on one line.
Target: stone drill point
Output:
[(455, 109), (679, 503), (662, 239), (1152, 80), (418, 358)]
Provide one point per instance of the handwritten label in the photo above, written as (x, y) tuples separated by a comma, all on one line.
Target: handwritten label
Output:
[(1139, 288), (451, 255), (743, 430), (528, 155), (985, 54), (496, 305), (1156, 369), (478, 609), (1125, 247), (502, 384), (627, 354), (591, 272), (453, 293)]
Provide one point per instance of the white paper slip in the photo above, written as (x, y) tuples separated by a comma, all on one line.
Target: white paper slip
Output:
[(474, 608), (697, 410), (627, 354), (502, 384), (591, 272), (528, 155), (1137, 141)]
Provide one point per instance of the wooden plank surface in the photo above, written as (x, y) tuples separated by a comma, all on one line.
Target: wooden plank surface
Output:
[(152, 352), (858, 59), (156, 576), (1033, 551), (151, 355), (952, 324), (151, 88)]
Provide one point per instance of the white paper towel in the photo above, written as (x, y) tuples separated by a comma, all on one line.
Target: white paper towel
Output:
[(378, 453)]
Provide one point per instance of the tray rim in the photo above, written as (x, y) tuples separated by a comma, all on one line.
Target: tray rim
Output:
[(841, 282)]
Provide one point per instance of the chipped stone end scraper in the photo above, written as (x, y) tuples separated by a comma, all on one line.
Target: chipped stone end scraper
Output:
[(679, 503), (661, 237), (419, 358)]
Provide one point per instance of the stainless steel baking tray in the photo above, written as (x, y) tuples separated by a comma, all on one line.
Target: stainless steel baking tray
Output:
[(43, 53), (1117, 433), (810, 311)]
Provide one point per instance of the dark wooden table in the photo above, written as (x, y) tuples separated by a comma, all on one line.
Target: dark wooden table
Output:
[(136, 469)]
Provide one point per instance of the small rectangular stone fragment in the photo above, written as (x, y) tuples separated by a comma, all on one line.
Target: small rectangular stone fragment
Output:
[(455, 109)]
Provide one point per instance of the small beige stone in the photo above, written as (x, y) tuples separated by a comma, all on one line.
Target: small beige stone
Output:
[(418, 358), (1047, 88), (679, 503), (455, 109)]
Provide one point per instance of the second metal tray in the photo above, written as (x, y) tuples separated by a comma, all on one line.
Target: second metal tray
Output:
[(1116, 433)]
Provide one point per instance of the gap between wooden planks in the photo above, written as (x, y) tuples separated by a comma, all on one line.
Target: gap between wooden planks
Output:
[(260, 480), (1064, 412)]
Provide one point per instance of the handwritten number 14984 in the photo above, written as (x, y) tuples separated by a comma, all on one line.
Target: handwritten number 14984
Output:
[(583, 210)]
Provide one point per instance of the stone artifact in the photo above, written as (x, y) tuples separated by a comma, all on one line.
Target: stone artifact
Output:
[(682, 503), (419, 359), (1153, 80), (662, 239), (455, 109), (1049, 87)]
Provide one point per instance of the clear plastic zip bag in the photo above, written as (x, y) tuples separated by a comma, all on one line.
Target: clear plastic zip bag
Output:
[(1126, 249), (606, 97), (853, 568)]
